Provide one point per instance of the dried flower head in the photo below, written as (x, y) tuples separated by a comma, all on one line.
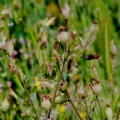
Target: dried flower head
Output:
[(12, 67)]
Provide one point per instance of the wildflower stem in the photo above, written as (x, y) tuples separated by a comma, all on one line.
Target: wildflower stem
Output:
[(69, 96), (99, 106), (28, 97), (118, 114), (73, 105), (87, 110), (56, 91)]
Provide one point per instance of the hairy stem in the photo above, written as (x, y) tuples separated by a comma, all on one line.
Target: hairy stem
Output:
[(29, 97)]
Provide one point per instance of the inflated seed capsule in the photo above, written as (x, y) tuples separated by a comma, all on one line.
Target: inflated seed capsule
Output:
[(5, 105)]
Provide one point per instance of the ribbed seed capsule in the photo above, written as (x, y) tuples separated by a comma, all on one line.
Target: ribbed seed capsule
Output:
[(5, 105)]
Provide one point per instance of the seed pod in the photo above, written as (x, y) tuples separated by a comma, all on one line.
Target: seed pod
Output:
[(66, 11), (5, 105), (96, 89), (46, 104), (109, 112), (113, 48), (80, 91), (63, 37), (9, 48), (58, 99)]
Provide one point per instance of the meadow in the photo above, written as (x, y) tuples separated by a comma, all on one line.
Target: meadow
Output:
[(59, 60)]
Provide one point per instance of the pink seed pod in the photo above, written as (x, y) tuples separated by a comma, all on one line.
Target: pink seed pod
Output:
[(9, 48)]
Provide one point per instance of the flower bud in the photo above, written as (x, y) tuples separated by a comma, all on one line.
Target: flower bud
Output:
[(5, 105), (96, 89), (46, 104), (58, 99), (73, 33), (16, 6), (113, 48), (9, 48)]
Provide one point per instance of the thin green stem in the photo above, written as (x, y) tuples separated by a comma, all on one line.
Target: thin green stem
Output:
[(118, 114), (99, 107), (87, 110), (55, 92), (69, 97), (28, 96)]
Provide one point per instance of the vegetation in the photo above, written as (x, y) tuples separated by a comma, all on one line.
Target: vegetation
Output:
[(59, 59)]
